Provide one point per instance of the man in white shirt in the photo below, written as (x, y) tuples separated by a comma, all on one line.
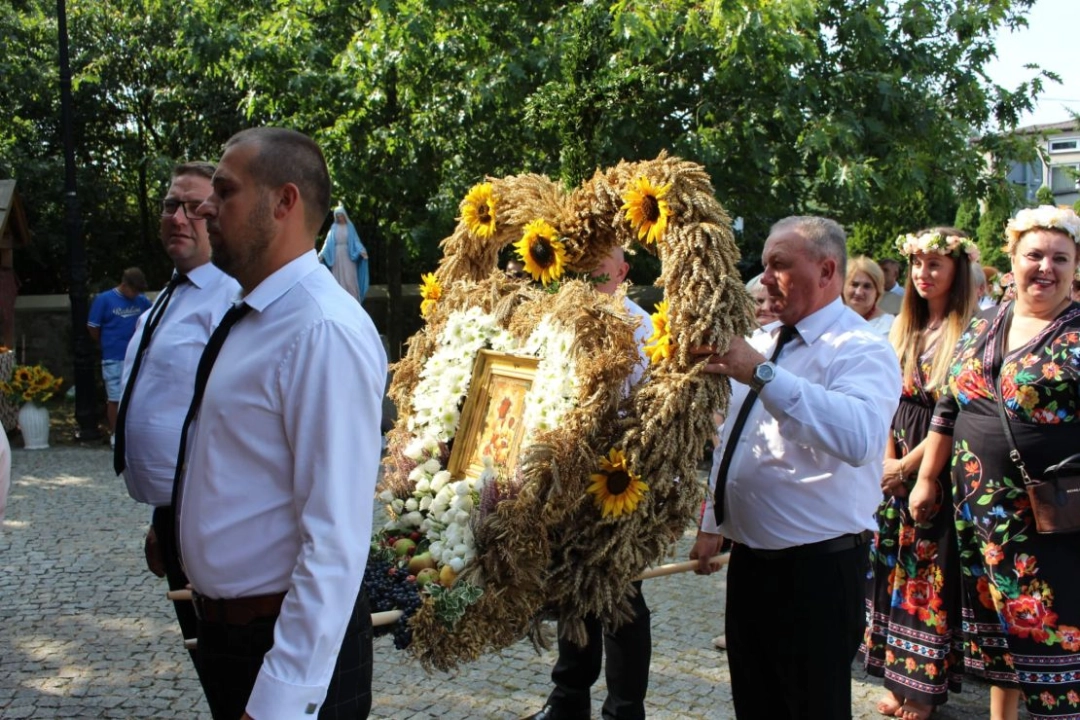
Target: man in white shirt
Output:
[(275, 498), (5, 475), (891, 300), (170, 337), (628, 648), (802, 481)]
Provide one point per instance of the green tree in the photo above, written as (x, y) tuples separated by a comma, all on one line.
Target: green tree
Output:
[(861, 109), (967, 217)]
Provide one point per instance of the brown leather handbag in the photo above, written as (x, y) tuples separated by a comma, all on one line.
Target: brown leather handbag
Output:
[(1055, 501)]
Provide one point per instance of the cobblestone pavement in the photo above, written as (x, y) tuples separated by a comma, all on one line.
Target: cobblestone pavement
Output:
[(86, 632)]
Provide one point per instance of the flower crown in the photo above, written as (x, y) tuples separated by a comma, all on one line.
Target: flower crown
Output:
[(935, 242), (1044, 216)]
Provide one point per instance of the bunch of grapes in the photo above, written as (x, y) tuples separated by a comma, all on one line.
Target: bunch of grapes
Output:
[(390, 587)]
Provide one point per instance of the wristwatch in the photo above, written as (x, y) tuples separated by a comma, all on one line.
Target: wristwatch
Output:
[(763, 375)]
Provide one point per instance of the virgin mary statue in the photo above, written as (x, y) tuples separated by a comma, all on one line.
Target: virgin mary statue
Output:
[(345, 255)]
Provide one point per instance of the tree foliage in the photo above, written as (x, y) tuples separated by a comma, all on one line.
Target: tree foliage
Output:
[(876, 112)]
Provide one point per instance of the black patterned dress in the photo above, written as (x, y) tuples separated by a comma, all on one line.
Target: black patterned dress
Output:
[(1021, 589), (913, 636)]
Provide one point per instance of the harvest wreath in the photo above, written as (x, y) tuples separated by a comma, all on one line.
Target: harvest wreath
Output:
[(577, 487)]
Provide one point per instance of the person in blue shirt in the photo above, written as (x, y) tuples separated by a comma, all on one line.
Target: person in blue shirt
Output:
[(111, 324), (345, 255)]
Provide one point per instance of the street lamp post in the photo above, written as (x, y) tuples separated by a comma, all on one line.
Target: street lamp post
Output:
[(86, 412)]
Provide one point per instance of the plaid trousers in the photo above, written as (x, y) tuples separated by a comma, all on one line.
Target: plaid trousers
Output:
[(229, 657)]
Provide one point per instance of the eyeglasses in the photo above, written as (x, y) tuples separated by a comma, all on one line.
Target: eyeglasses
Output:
[(169, 206)]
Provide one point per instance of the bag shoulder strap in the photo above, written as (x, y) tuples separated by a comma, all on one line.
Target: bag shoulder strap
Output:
[(999, 361)]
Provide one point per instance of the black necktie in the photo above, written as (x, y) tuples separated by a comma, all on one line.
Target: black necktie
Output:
[(206, 364), (152, 321), (787, 332)]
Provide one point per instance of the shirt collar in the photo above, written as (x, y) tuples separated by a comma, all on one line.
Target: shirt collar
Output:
[(201, 276), (815, 324), (281, 281)]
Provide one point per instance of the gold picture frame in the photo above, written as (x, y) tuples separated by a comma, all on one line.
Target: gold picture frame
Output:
[(491, 418)]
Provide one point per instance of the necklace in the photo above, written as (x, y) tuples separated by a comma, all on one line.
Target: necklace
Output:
[(934, 327)]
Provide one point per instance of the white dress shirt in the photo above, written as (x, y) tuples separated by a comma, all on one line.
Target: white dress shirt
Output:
[(280, 478), (641, 334), (162, 393), (882, 324), (807, 466)]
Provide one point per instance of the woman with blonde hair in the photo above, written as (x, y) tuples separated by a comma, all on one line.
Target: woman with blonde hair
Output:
[(1013, 398), (913, 628), (763, 306), (863, 288)]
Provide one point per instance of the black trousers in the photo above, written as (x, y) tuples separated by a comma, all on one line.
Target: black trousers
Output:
[(629, 651), (793, 627), (164, 524), (229, 658)]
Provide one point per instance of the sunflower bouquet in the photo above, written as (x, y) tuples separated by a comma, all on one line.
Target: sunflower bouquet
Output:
[(30, 383)]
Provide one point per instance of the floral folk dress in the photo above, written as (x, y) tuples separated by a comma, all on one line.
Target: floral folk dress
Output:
[(1021, 589), (913, 636)]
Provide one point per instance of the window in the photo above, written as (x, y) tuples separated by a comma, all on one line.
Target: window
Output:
[(1028, 176), (1063, 178), (1065, 145)]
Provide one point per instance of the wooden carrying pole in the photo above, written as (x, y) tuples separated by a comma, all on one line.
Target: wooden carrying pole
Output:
[(388, 617)]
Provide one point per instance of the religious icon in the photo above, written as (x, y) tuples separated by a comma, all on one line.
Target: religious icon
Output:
[(491, 419)]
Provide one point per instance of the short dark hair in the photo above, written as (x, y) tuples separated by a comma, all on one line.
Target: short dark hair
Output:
[(288, 156), (133, 277), (195, 167), (886, 262)]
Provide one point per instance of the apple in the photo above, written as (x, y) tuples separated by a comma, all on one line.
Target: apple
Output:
[(421, 561), (404, 546), (427, 576)]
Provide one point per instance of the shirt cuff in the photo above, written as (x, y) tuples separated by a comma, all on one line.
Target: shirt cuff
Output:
[(272, 698), (785, 384), (708, 520)]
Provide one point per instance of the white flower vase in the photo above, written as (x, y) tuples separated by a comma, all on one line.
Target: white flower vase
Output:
[(34, 423)]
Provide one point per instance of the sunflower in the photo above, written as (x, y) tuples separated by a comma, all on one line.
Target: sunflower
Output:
[(22, 375), (616, 490), (542, 251), (646, 209), (430, 291), (659, 345), (478, 211)]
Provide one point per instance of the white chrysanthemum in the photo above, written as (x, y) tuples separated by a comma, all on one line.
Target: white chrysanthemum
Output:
[(416, 450), (1045, 216)]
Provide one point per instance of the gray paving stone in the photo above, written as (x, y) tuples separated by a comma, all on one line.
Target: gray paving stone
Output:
[(88, 632)]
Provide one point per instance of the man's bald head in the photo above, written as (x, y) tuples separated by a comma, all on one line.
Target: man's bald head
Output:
[(614, 267)]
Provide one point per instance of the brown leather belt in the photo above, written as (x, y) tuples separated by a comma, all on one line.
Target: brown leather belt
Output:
[(825, 547), (237, 611)]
